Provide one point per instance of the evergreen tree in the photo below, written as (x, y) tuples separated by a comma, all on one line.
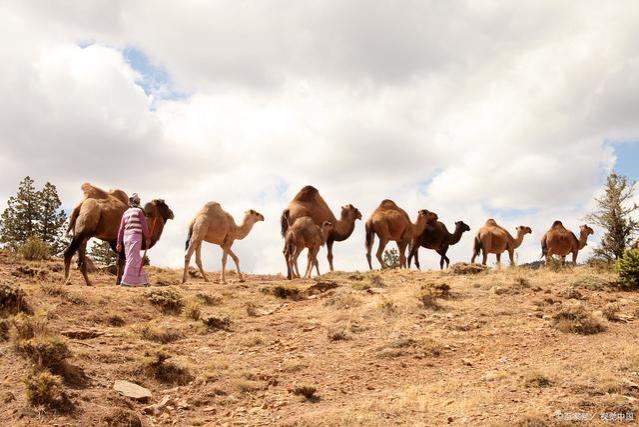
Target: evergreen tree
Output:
[(20, 219), (101, 253), (613, 214), (51, 217)]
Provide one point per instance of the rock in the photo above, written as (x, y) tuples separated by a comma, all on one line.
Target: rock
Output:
[(132, 390), (467, 362), (376, 290)]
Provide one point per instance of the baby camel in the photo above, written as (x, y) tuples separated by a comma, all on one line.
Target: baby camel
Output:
[(214, 225), (304, 233)]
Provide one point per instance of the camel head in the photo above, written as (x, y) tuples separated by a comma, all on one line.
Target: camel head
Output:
[(253, 216), (585, 230), (461, 225), (157, 208), (522, 230), (351, 212)]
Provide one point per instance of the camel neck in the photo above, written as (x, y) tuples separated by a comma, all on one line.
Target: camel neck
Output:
[(517, 241), (583, 240), (244, 229), (156, 226), (343, 229), (456, 236)]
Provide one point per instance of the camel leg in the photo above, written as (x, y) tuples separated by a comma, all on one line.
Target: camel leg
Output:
[(574, 259), (82, 261), (442, 258), (498, 256), (549, 256), (198, 261), (401, 247), (329, 256), (294, 265), (121, 261), (312, 259), (511, 255), (415, 254), (236, 260), (68, 255), (224, 258), (187, 259), (563, 261), (380, 251), (484, 257)]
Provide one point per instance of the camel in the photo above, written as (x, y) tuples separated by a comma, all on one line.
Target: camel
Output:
[(560, 241), (437, 237), (390, 222), (494, 239), (305, 234), (98, 216), (308, 202), (214, 225)]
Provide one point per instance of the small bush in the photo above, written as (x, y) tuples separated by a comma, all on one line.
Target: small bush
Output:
[(306, 390), (121, 417), (12, 301), (44, 388), (156, 364), (216, 322), (4, 329), (578, 320), (611, 312), (34, 249), (287, 292), (391, 258), (339, 333), (159, 334), (536, 379), (466, 268), (628, 269), (192, 310), (207, 299), (554, 264), (387, 306), (168, 300), (45, 351), (26, 327), (428, 298), (115, 320)]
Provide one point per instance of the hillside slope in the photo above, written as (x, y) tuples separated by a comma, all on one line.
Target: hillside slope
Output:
[(380, 348)]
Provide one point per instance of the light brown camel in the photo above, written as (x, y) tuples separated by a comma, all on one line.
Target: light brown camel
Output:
[(494, 239), (390, 222), (98, 216), (437, 237), (308, 202), (214, 225), (560, 241), (304, 233)]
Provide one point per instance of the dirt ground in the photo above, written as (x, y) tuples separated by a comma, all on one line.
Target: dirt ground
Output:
[(370, 349)]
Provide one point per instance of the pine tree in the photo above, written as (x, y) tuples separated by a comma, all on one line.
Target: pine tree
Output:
[(101, 253), (20, 219), (51, 217), (613, 214)]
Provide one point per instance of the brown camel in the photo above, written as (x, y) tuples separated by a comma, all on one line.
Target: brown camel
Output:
[(214, 225), (305, 234), (98, 216), (437, 237), (494, 239), (560, 241), (308, 202), (390, 222)]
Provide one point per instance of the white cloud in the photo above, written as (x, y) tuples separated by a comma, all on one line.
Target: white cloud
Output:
[(471, 109)]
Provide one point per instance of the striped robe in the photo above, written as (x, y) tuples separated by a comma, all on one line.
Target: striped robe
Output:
[(133, 230)]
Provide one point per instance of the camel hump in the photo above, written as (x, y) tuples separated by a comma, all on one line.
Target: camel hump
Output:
[(388, 204), (491, 222), (306, 194), (557, 223), (92, 192), (120, 195)]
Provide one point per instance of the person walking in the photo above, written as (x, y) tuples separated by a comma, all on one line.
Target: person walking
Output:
[(134, 235)]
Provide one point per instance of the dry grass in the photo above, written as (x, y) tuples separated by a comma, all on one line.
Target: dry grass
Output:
[(536, 379), (577, 319), (159, 333), (157, 365), (216, 321), (192, 310), (44, 388), (168, 300)]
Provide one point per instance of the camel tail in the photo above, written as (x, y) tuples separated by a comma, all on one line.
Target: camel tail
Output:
[(370, 234), (188, 239), (544, 248), (477, 246), (284, 221), (72, 219)]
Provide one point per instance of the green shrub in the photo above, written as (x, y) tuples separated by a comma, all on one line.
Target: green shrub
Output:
[(43, 388), (35, 249), (391, 258), (628, 269)]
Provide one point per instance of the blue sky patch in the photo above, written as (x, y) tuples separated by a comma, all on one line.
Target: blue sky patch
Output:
[(627, 152)]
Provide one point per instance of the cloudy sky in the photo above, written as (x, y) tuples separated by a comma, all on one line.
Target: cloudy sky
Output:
[(472, 109)]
